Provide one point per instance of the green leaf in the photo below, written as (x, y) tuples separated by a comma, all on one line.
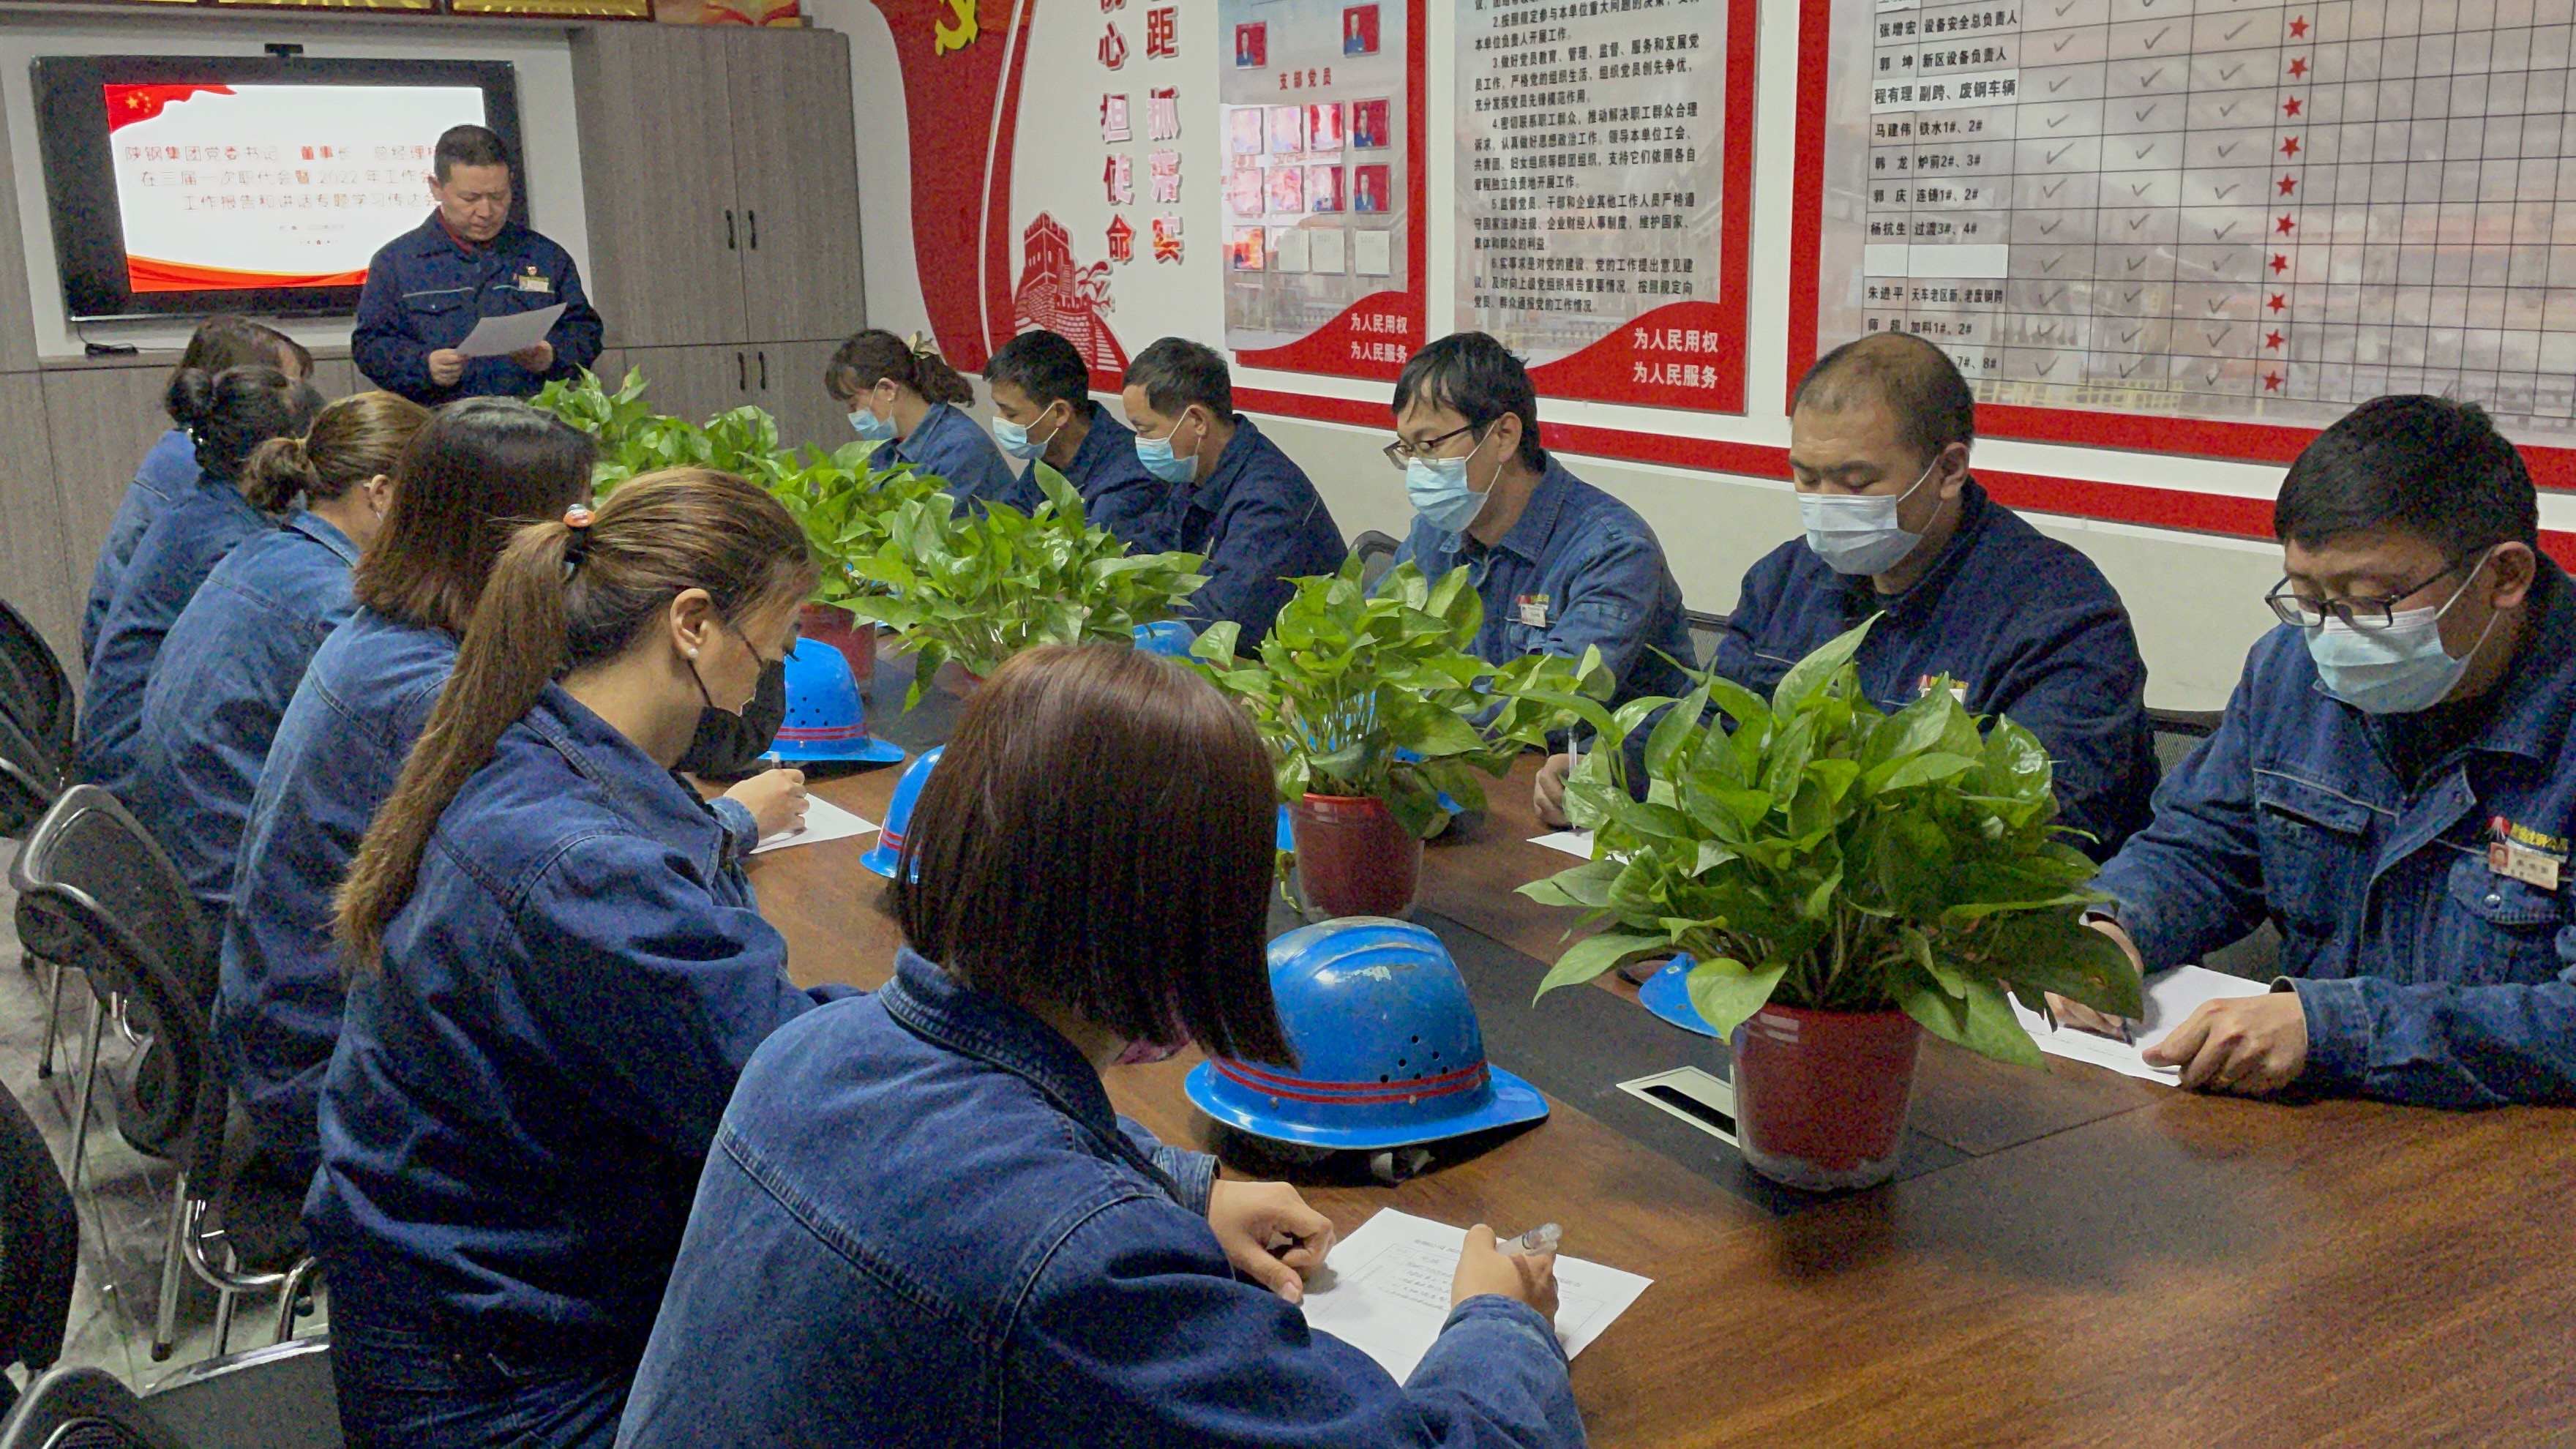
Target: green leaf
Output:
[(1809, 676), (1726, 993), (1593, 955), (1586, 886), (1983, 1023)]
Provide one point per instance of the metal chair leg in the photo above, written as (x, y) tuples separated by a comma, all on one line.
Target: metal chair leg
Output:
[(53, 1018), (89, 1082), (298, 1280), (224, 1300), (165, 1324)]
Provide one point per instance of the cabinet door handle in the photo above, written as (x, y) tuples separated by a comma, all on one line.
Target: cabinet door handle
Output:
[(753, 217), (729, 246), (741, 375), (764, 370)]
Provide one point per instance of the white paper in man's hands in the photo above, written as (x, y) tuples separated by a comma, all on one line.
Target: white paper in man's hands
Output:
[(1385, 1291), (501, 336), (2172, 996), (823, 821)]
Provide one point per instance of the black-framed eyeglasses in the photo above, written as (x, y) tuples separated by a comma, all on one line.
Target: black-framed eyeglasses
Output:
[(763, 660), (1401, 452), (2363, 614)]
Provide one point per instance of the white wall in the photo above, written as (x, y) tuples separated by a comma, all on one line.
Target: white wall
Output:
[(542, 57)]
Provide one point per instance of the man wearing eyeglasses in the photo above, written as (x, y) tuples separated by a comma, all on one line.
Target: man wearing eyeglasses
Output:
[(1560, 565), (2393, 786), (1899, 532)]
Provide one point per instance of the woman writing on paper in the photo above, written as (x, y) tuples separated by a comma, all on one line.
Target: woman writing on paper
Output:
[(921, 1222)]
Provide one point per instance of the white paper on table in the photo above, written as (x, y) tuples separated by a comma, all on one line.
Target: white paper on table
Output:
[(501, 336), (1572, 842), (2172, 997), (1385, 1291), (823, 821)]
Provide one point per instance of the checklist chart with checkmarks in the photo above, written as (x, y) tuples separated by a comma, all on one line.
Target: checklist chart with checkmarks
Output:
[(2207, 212)]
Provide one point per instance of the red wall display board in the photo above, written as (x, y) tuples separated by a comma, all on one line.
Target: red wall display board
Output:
[(1605, 169), (2204, 229)]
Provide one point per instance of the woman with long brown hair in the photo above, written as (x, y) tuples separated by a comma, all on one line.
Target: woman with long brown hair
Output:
[(240, 648), (556, 972)]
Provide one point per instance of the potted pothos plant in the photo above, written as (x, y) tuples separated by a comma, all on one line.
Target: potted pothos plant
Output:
[(1376, 713), (980, 587), (1842, 879)]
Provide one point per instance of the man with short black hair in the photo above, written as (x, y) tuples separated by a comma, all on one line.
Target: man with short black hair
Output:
[(1043, 412), (1560, 565), (1898, 531), (427, 288), (2393, 786), (1235, 497)]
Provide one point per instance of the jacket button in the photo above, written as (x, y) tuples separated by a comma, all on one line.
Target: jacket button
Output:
[(2494, 899)]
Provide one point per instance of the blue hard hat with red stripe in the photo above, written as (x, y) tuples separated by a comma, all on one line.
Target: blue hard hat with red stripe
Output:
[(826, 719), (1388, 1050), (907, 791), (1667, 995)]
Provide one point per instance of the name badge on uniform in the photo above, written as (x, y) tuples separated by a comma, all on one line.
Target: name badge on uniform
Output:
[(1533, 610), (2518, 852), (1925, 683), (533, 280)]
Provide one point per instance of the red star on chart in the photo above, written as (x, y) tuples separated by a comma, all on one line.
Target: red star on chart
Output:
[(2299, 67), (2289, 184), (2284, 226), (2290, 107), (2299, 26), (2277, 303), (2271, 382), (2273, 341), (2280, 264), (2290, 146)]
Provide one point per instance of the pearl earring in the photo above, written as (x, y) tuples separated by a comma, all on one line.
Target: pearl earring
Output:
[(693, 654)]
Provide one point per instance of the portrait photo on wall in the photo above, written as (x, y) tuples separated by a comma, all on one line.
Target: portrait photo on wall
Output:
[(1287, 130), (1324, 188), (1243, 250), (1288, 189), (1359, 30), (1369, 129), (1243, 130), (1243, 191), (1252, 45), (1324, 128), (1369, 190)]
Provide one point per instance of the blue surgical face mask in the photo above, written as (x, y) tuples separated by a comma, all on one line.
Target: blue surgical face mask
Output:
[(1015, 439), (1857, 533), (1438, 488), (1159, 459), (870, 427), (2397, 670)]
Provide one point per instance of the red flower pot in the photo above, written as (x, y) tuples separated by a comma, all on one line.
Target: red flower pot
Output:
[(1821, 1096), (1353, 858), (833, 625)]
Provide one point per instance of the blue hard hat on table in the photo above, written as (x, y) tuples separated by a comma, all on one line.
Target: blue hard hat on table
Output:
[(1166, 636), (881, 858), (1667, 995), (1388, 1050), (826, 719)]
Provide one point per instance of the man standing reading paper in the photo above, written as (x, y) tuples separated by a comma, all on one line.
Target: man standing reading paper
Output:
[(428, 289)]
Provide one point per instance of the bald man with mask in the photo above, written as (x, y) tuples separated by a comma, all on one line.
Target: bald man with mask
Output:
[(1899, 531)]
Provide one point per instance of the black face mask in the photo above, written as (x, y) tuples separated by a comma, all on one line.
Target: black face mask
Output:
[(729, 745)]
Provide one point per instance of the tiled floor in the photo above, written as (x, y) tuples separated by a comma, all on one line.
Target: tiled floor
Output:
[(124, 1197)]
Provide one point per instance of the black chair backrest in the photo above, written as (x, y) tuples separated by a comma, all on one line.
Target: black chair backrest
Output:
[(39, 1244), (30, 779), (96, 894), (35, 693), (2178, 732), (279, 1397), (82, 1408), (1377, 555)]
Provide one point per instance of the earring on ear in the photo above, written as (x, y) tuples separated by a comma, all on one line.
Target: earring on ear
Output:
[(693, 654)]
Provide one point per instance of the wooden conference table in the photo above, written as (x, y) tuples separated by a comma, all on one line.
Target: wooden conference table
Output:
[(2086, 1260)]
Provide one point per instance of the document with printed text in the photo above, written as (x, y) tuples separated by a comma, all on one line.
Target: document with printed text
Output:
[(2172, 996), (1385, 1291), (501, 336)]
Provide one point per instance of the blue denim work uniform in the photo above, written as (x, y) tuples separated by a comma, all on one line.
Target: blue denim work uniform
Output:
[(1259, 523), (949, 446), (164, 481), (227, 671), (1578, 569), (2026, 624), (2425, 974), (1117, 493), (922, 1224), (523, 1093), (180, 549), (426, 291)]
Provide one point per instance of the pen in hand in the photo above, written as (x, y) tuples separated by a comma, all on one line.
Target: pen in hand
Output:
[(1540, 1239)]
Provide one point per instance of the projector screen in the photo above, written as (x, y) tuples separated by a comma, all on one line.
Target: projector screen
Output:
[(239, 184)]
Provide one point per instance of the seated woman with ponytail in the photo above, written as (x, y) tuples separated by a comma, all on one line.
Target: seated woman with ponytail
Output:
[(904, 395), (556, 972), (240, 648), (229, 414)]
